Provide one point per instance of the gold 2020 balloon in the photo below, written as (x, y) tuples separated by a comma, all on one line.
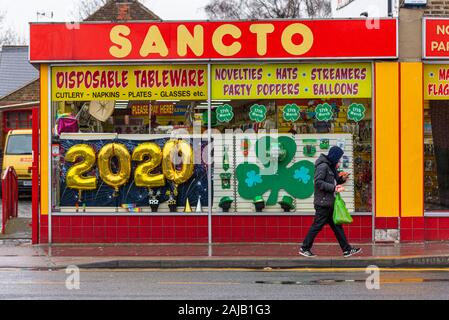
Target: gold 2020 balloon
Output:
[(75, 179), (168, 166), (142, 175), (114, 180)]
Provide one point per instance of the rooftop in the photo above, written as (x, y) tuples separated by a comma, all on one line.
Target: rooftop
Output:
[(15, 70), (123, 10)]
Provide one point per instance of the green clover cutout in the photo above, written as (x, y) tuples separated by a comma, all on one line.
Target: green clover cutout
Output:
[(356, 112), (258, 113), (303, 175), (296, 180), (225, 113), (291, 112), (253, 178), (324, 112)]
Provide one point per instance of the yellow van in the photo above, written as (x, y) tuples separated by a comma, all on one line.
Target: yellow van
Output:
[(18, 154)]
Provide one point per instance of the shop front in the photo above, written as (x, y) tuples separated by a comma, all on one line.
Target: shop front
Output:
[(209, 131)]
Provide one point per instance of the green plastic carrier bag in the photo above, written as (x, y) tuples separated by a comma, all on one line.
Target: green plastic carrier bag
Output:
[(341, 213)]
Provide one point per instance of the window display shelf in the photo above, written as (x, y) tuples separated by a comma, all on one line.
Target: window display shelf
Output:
[(252, 214)]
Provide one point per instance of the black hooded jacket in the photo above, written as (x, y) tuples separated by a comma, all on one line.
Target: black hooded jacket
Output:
[(325, 180)]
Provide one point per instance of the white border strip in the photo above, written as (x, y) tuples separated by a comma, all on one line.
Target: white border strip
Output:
[(204, 61), (440, 214), (424, 39)]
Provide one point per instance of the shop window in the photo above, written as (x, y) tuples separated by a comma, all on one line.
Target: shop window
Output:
[(436, 144), (18, 120), (277, 136), (267, 164), (114, 186), (133, 156)]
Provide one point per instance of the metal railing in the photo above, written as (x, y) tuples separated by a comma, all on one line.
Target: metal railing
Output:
[(10, 196)]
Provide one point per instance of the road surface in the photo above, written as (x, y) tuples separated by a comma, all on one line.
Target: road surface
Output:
[(220, 284)]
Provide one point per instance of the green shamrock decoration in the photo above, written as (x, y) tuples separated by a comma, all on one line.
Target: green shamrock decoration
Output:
[(225, 113), (296, 180), (258, 113), (324, 112), (291, 112), (356, 112)]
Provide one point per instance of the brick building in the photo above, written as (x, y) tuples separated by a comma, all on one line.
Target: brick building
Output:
[(19, 90), (437, 8)]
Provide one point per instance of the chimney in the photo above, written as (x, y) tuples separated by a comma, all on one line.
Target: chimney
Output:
[(123, 10)]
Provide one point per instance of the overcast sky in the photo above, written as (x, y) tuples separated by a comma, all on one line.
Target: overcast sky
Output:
[(20, 12)]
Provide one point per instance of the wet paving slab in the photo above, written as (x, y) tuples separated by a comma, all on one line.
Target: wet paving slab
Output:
[(244, 250)]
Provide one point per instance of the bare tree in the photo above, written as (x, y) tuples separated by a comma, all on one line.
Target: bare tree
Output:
[(267, 9), (7, 35), (84, 8)]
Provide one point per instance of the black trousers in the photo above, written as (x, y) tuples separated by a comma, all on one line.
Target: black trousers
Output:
[(323, 216)]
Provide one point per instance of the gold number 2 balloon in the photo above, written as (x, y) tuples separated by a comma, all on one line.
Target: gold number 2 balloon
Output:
[(114, 180), (142, 175), (184, 150), (75, 178)]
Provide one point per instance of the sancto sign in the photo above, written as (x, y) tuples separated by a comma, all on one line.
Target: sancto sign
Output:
[(159, 41)]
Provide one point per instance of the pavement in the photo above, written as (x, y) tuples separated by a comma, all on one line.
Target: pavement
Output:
[(21, 254), (17, 252), (19, 228)]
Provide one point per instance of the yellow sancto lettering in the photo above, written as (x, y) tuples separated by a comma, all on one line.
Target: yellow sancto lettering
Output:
[(290, 46), (154, 43), (220, 33), (262, 31), (195, 42), (123, 46)]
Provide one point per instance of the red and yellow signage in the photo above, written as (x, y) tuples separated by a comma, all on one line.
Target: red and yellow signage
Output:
[(140, 109), (436, 41), (163, 109), (281, 39), (168, 82), (284, 81), (436, 82)]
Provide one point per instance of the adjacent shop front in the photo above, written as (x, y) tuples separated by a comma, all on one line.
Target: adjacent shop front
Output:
[(436, 115), (208, 131)]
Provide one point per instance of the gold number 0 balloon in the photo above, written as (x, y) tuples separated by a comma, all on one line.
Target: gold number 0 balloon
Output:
[(168, 166), (114, 180), (142, 175), (75, 179)]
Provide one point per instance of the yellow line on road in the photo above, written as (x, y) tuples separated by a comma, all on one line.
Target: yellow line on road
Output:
[(33, 283), (299, 270), (198, 283), (396, 281)]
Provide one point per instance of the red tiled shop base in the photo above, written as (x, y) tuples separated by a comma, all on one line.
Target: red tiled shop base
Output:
[(424, 229), (193, 229), (228, 229)]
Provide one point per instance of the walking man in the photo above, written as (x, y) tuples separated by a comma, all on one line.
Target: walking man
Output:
[(327, 183)]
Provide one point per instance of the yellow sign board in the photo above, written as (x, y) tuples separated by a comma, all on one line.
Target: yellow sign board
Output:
[(436, 82), (284, 81), (167, 82)]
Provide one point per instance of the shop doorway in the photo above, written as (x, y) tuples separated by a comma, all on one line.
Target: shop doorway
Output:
[(436, 148), (22, 146)]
